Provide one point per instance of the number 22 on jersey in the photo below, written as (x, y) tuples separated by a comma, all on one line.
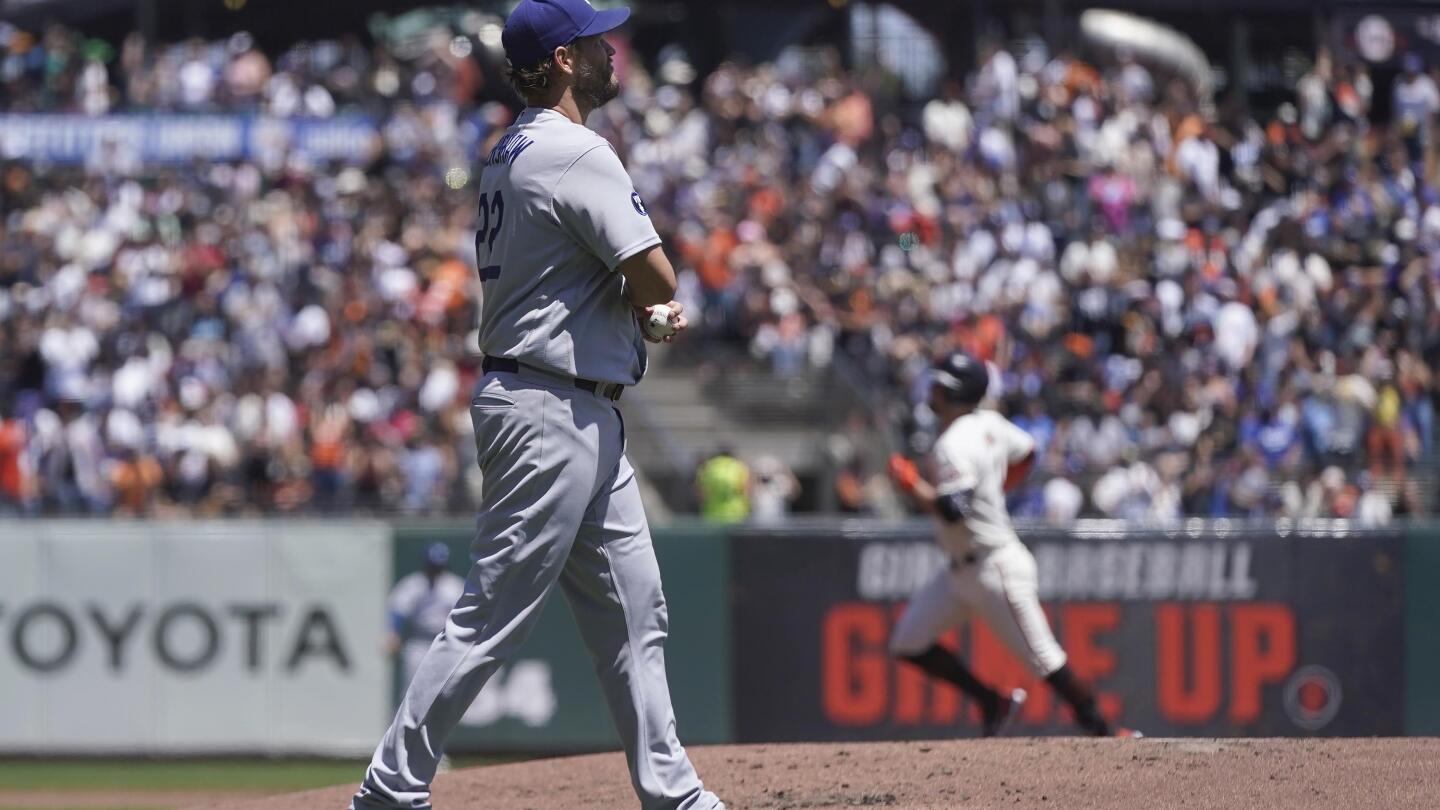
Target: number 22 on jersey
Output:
[(492, 211)]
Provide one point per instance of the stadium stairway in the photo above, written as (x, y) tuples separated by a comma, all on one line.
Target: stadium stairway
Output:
[(684, 411)]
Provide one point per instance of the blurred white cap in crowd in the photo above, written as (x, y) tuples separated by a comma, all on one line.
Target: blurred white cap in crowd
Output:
[(193, 394), (123, 428), (364, 405), (397, 284), (1332, 478), (783, 301), (350, 181), (1073, 260), (441, 386), (1184, 427), (1104, 261), (1430, 222), (311, 327), (1039, 243)]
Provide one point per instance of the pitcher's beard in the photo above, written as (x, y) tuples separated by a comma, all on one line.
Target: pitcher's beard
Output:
[(595, 86)]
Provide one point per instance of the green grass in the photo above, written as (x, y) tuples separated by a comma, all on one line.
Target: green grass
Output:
[(121, 775), (270, 775)]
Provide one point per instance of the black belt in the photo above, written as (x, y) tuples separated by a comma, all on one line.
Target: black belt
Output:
[(610, 391)]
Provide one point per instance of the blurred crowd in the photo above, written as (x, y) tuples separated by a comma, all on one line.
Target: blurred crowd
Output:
[(1195, 311), (227, 338)]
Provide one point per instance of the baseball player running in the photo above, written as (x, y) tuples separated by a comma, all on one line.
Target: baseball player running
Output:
[(979, 455), (569, 262)]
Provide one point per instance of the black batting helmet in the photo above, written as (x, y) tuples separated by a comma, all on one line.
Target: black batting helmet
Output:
[(962, 378)]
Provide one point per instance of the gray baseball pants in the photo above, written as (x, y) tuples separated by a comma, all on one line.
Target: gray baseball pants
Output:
[(560, 503)]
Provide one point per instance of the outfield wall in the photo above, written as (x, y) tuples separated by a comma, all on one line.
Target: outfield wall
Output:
[(192, 637), (549, 699), (1184, 633), (242, 636)]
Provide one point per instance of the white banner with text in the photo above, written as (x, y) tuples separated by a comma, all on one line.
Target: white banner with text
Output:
[(193, 637)]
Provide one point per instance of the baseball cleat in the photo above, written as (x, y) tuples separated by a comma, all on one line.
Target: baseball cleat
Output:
[(1127, 733), (1002, 717)]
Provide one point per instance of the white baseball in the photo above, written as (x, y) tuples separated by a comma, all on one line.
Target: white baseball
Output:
[(657, 323)]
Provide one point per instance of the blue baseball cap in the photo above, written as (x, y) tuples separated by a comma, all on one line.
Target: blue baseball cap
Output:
[(438, 554), (537, 27)]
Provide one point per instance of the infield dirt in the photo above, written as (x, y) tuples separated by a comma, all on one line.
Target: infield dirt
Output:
[(1274, 774)]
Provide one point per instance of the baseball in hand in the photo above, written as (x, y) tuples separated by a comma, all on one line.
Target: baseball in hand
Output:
[(658, 323)]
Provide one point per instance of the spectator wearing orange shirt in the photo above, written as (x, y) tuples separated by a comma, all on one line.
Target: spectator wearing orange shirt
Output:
[(327, 461), (16, 486), (135, 481)]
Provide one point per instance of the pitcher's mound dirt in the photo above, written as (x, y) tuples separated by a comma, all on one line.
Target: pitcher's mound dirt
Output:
[(1276, 774)]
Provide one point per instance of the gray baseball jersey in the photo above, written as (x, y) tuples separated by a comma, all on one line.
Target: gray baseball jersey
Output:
[(558, 214), (559, 500), (419, 606)]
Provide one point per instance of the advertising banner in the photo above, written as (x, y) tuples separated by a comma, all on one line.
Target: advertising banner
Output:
[(548, 698), (182, 138), (1200, 631), (192, 637)]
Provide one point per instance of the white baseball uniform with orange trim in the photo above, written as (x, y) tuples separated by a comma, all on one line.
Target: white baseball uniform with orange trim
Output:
[(991, 573)]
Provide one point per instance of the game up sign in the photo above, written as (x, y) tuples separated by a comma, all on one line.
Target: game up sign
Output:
[(1198, 631)]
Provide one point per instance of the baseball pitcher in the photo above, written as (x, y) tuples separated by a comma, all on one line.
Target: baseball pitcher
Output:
[(991, 574), (570, 264)]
